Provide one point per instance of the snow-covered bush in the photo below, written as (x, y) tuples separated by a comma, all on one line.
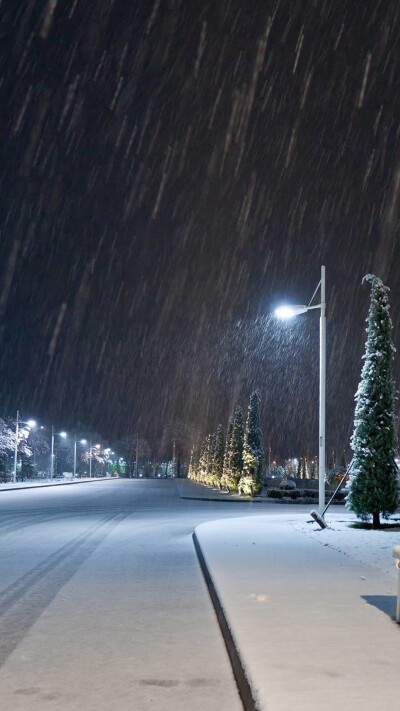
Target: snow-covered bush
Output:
[(249, 486), (229, 482), (287, 484)]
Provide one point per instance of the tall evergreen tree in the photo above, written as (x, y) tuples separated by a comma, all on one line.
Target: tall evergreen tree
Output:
[(253, 453), (205, 459), (253, 447), (373, 482), (227, 453), (3, 466), (193, 463), (299, 468), (237, 441), (304, 473), (314, 470), (218, 454)]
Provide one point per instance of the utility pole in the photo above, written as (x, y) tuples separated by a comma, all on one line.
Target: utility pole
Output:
[(137, 455)]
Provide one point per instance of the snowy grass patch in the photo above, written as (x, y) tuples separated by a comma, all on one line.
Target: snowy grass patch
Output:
[(352, 538)]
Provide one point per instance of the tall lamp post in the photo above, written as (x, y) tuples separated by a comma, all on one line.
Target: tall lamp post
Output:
[(29, 423), (53, 434), (91, 447), (286, 312), (81, 441)]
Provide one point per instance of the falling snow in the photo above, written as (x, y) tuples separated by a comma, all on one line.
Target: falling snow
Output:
[(169, 174)]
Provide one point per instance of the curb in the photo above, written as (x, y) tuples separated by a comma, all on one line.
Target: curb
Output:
[(245, 693), (216, 498), (61, 483), (228, 501)]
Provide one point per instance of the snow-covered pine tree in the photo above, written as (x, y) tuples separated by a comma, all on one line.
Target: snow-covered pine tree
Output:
[(313, 469), (236, 459), (204, 460), (304, 473), (373, 483), (227, 455), (253, 453), (193, 464), (299, 468), (3, 467), (218, 455)]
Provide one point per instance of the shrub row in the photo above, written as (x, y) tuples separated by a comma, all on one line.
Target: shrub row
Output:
[(301, 494)]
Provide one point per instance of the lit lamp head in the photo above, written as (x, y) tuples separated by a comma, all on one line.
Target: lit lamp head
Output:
[(63, 434), (286, 312), (83, 441), (31, 423)]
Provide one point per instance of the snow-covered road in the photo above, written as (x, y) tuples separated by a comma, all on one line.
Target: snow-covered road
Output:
[(103, 604)]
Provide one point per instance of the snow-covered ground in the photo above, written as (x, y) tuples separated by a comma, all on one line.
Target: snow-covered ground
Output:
[(44, 482), (313, 624), (374, 548)]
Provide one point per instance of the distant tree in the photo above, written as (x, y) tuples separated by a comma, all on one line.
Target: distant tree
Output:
[(27, 468), (332, 460), (3, 467), (218, 455), (193, 464), (314, 469), (299, 468), (205, 459), (305, 473), (372, 489), (253, 452), (38, 442), (227, 453), (237, 441)]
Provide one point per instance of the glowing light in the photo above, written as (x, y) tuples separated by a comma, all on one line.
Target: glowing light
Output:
[(288, 311)]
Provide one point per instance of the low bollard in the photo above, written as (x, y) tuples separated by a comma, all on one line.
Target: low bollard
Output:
[(396, 554)]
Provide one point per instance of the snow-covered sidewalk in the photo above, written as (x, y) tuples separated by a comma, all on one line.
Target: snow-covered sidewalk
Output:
[(35, 483), (308, 626)]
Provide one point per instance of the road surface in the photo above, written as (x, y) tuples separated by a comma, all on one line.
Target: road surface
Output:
[(103, 604)]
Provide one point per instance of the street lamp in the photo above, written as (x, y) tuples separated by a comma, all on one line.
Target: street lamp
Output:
[(96, 446), (53, 434), (82, 441), (29, 423), (286, 312)]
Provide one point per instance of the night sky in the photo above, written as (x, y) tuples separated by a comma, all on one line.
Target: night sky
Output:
[(170, 171)]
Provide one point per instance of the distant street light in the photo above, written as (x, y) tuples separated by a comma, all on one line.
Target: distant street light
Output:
[(53, 434), (289, 311), (29, 423), (81, 441)]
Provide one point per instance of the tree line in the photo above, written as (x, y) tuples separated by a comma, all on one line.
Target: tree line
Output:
[(234, 461)]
